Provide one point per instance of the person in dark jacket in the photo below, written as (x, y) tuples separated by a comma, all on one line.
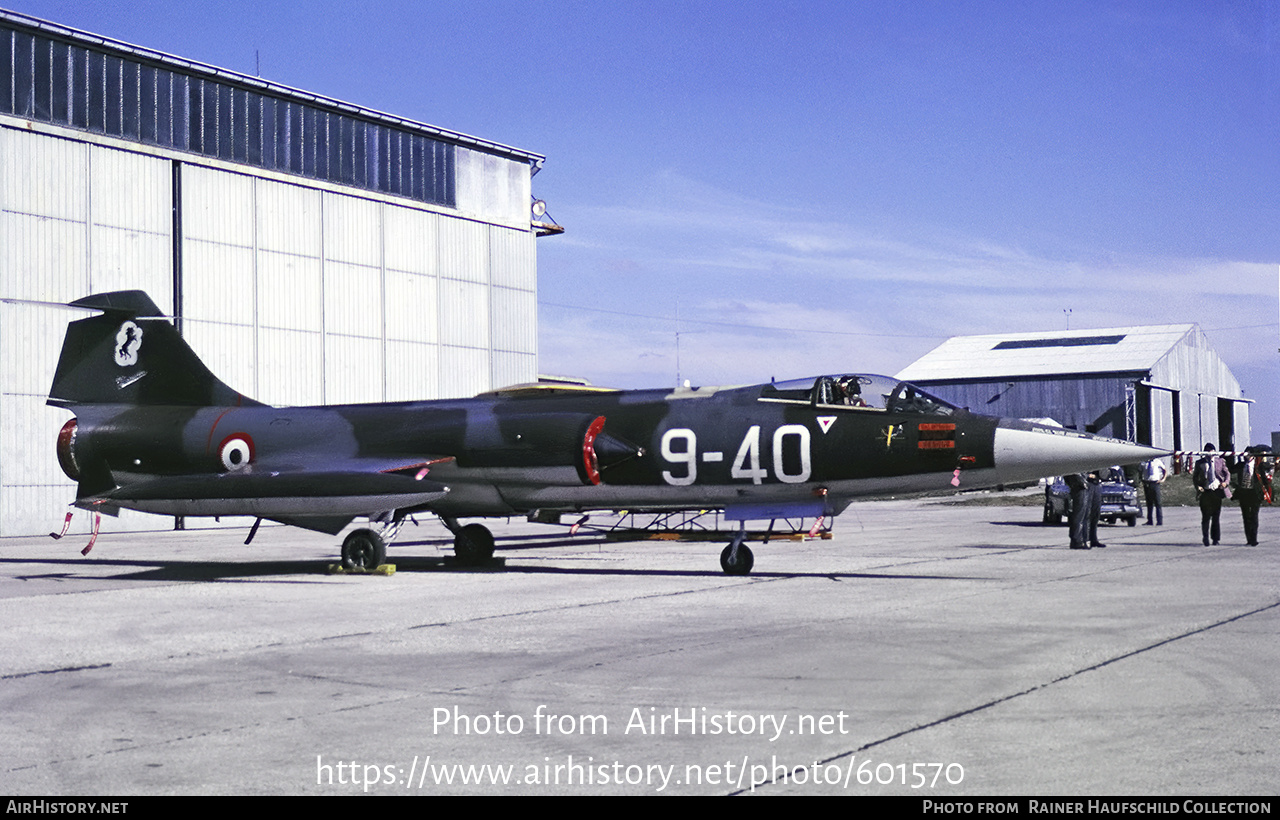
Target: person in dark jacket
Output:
[(1252, 474), (1212, 482), (1078, 516), (1095, 508)]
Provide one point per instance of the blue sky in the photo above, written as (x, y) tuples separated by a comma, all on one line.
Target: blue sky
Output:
[(781, 189)]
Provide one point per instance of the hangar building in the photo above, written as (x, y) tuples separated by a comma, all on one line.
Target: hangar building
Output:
[(1159, 385), (310, 250)]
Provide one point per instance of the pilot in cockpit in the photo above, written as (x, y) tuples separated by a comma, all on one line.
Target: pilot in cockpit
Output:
[(849, 391)]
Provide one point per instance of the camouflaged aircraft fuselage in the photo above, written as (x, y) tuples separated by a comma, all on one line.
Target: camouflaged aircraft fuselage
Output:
[(156, 431)]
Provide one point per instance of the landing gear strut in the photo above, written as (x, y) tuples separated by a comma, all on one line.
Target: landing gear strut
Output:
[(736, 559)]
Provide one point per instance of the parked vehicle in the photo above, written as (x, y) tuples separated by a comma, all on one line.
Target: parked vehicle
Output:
[(1119, 499)]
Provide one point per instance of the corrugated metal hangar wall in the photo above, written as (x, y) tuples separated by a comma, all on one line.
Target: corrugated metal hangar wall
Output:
[(313, 252), (1162, 385)]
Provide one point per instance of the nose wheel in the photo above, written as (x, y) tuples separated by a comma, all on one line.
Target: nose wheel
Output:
[(737, 559)]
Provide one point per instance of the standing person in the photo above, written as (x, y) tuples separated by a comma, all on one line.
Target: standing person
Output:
[(1153, 475), (1211, 479), (1253, 486), (1095, 507), (1078, 515)]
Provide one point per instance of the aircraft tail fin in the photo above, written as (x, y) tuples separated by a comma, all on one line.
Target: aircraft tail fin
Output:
[(131, 354)]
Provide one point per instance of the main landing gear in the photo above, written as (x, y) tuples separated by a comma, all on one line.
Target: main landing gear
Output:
[(737, 559), (472, 544), (366, 549), (363, 549)]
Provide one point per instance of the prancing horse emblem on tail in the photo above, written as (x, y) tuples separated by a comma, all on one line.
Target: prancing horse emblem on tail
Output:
[(128, 341)]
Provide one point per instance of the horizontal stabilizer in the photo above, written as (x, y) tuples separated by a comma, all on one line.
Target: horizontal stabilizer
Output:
[(127, 303)]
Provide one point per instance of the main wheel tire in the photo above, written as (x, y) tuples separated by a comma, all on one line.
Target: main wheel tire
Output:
[(1133, 521), (473, 545), (363, 549), (742, 566)]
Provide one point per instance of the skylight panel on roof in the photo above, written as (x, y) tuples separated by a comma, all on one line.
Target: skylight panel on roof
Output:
[(1073, 341)]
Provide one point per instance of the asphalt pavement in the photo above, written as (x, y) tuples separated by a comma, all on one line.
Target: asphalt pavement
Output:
[(925, 649)]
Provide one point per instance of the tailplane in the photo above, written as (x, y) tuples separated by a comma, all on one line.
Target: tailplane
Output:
[(131, 354)]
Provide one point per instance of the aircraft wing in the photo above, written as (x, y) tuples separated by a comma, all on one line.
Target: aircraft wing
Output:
[(334, 491)]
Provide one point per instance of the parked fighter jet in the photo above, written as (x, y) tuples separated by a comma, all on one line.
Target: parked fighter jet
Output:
[(155, 431)]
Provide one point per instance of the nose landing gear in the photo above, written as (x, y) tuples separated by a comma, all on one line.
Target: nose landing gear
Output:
[(737, 559)]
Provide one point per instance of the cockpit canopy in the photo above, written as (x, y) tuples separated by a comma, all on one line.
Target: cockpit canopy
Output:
[(859, 390)]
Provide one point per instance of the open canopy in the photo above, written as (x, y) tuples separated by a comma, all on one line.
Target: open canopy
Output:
[(859, 390)]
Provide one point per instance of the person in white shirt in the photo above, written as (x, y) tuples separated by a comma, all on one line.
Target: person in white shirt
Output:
[(1153, 475)]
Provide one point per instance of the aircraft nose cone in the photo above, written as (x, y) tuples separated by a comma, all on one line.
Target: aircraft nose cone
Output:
[(1036, 452)]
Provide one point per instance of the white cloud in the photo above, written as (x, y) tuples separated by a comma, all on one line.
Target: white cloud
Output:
[(771, 276)]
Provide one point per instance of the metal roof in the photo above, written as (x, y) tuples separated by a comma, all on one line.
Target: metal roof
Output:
[(1005, 355), (192, 68)]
